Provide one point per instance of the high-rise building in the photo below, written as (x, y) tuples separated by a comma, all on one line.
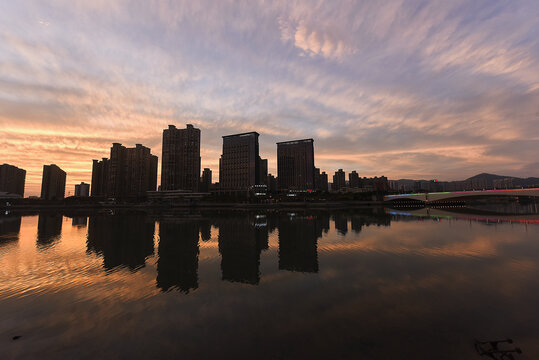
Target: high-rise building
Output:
[(205, 180), (141, 171), (339, 180), (12, 179), (271, 182), (295, 164), (100, 177), (129, 172), (240, 161), (180, 167), (53, 184), (353, 180), (323, 182), (116, 176), (263, 172), (316, 178), (82, 189), (320, 180)]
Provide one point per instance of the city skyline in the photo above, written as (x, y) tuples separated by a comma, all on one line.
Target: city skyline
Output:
[(424, 90)]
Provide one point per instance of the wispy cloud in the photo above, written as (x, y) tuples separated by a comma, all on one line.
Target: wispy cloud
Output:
[(403, 88)]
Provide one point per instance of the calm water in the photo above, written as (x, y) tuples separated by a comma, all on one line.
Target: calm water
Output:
[(364, 284)]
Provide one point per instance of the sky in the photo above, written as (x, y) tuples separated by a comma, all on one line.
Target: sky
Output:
[(402, 88)]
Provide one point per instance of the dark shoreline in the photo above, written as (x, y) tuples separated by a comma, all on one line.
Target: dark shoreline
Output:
[(198, 206)]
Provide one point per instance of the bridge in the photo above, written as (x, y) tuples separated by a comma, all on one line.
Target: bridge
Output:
[(461, 195)]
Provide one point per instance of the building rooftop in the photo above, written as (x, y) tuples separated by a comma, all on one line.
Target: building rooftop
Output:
[(292, 142), (243, 134)]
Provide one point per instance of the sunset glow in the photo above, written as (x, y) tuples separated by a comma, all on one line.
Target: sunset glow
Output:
[(405, 89)]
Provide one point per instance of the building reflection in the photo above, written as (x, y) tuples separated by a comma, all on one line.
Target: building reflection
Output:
[(260, 223), (298, 236), (49, 229), (240, 244), (178, 255), (10, 226), (123, 241), (341, 223), (205, 230), (79, 221)]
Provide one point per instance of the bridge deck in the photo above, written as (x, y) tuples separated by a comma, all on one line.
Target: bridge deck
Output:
[(439, 196)]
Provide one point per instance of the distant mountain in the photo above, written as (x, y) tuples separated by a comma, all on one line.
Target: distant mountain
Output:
[(479, 181), (489, 177), (517, 182)]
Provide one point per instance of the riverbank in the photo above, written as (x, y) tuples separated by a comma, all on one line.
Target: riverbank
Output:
[(197, 205)]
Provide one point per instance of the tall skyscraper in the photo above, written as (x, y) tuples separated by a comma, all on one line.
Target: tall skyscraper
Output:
[(53, 184), (12, 179), (339, 180), (100, 177), (239, 164), (320, 180), (205, 180), (295, 164), (141, 171), (180, 167), (271, 182), (323, 183), (353, 180), (263, 172), (129, 172)]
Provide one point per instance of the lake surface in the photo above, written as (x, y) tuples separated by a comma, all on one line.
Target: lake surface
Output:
[(358, 284)]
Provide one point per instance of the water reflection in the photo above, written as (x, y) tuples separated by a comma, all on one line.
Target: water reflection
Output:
[(298, 237), (123, 241), (178, 254), (341, 223), (366, 283), (10, 226), (79, 221), (240, 244), (49, 230), (205, 229)]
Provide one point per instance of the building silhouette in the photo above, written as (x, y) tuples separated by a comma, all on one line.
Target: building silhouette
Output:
[(239, 165), (100, 177), (263, 172), (178, 251), (271, 182), (354, 180), (129, 172), (12, 179), (82, 189), (180, 167), (53, 184), (295, 164), (205, 180), (122, 241), (320, 180), (339, 180)]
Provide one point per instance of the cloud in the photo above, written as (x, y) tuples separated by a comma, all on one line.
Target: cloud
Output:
[(403, 88)]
